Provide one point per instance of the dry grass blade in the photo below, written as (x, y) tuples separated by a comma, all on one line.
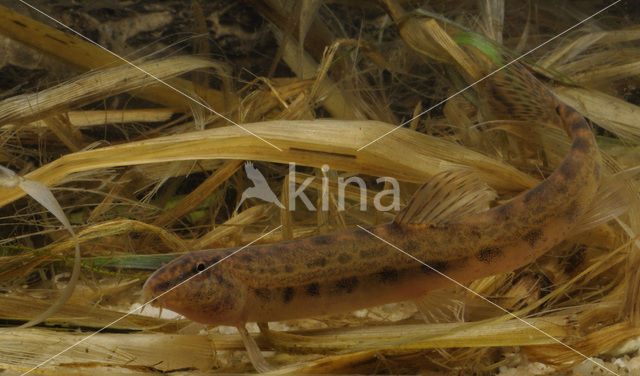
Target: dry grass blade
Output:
[(108, 354), (232, 226), (75, 313), (93, 86), (493, 19), (305, 67), (303, 142), (93, 118), (188, 203)]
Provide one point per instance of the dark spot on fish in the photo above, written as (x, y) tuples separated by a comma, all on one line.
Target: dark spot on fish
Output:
[(348, 284), (200, 294), (246, 257), (444, 226), (344, 258), (372, 253), (262, 293), (287, 294), (313, 289), (577, 122), (19, 23), (227, 304), (572, 210), (535, 193), (503, 214), (532, 237), (393, 229), (581, 144), (558, 110), (475, 233), (182, 262), (288, 268), (318, 262), (387, 274), (413, 245), (488, 255), (568, 170), (426, 269), (367, 254), (441, 266), (163, 286), (322, 239)]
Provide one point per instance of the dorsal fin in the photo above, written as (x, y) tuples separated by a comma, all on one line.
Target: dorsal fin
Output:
[(445, 197), (514, 93)]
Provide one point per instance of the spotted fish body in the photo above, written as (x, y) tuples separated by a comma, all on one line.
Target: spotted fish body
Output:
[(351, 270)]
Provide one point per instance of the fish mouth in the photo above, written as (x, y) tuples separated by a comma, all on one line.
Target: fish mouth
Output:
[(149, 296), (152, 301)]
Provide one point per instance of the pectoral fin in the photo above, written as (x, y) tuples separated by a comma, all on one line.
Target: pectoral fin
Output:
[(253, 351), (445, 305)]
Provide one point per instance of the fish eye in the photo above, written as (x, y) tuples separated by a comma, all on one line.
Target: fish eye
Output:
[(200, 267)]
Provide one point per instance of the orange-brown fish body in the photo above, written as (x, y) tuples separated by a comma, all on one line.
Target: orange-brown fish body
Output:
[(351, 270)]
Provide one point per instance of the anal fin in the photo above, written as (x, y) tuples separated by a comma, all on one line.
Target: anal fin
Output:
[(447, 196)]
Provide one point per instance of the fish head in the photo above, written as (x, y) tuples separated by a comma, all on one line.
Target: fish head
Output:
[(199, 287)]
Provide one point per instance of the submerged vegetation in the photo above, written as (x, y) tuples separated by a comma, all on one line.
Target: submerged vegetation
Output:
[(146, 171)]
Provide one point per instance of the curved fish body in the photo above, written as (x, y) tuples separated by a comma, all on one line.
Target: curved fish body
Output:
[(351, 270)]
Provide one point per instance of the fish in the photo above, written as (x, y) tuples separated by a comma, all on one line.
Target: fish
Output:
[(448, 224)]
